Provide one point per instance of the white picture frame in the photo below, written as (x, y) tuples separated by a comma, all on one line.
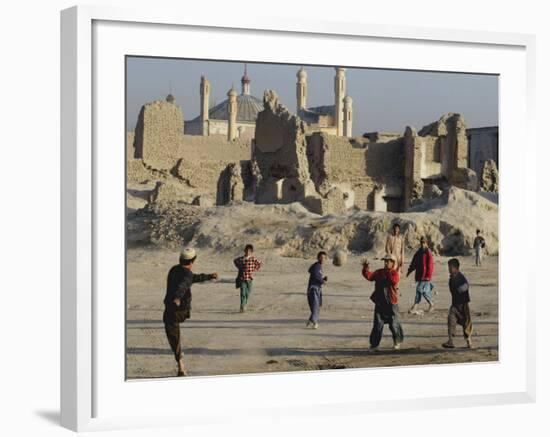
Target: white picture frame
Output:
[(93, 395)]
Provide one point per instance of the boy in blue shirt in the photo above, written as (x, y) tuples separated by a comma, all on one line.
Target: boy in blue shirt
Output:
[(315, 289)]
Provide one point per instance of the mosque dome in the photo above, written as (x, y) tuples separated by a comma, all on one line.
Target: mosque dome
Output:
[(301, 73), (170, 98), (248, 107)]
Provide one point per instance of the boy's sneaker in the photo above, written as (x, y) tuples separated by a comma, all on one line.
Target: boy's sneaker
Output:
[(431, 307), (315, 325), (469, 343), (448, 344), (309, 323), (372, 349), (397, 346)]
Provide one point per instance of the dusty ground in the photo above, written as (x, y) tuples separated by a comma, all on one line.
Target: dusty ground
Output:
[(272, 337)]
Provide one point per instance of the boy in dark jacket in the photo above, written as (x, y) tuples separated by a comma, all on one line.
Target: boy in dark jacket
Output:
[(177, 302), (459, 313), (422, 265), (385, 299), (315, 289), (479, 245)]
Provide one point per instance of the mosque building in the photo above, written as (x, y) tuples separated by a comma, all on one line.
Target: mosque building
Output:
[(236, 116)]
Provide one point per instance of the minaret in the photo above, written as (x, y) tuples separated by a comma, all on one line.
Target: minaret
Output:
[(205, 104), (339, 93), (245, 82), (301, 90), (348, 115), (232, 114)]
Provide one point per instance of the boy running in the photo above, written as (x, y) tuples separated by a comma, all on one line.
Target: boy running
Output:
[(247, 265), (315, 289), (423, 266), (459, 313), (385, 299)]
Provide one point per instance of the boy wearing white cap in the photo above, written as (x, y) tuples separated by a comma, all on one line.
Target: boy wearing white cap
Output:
[(177, 302), (385, 298)]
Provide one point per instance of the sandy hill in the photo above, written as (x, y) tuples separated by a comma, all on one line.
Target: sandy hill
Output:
[(449, 222)]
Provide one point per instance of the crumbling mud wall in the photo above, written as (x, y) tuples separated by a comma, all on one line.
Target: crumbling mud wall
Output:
[(159, 123), (359, 169), (489, 177), (436, 156), (161, 152), (279, 155), (230, 185), (286, 163)]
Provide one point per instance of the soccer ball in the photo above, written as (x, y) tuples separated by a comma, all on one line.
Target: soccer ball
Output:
[(340, 258)]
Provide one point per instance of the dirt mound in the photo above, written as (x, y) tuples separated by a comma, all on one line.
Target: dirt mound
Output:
[(449, 222)]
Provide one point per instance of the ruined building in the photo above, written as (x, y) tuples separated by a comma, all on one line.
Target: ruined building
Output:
[(308, 157), (483, 147), (330, 173)]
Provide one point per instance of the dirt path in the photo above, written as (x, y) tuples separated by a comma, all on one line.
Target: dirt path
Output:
[(272, 337)]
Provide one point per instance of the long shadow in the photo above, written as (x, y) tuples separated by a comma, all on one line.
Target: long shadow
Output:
[(186, 326), (325, 294), (271, 321), (144, 322), (366, 335), (259, 323), (237, 321), (415, 322), (188, 351), (286, 351), (364, 352)]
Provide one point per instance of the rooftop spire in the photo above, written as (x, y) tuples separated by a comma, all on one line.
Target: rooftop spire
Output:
[(245, 81)]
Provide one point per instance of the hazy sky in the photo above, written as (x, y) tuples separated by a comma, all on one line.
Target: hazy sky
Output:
[(383, 100)]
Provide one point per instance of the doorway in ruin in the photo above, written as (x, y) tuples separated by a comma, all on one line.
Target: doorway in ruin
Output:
[(393, 204)]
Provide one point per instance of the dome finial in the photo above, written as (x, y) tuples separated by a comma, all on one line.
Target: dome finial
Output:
[(245, 81)]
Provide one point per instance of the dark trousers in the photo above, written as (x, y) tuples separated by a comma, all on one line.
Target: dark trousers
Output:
[(385, 314), (172, 322)]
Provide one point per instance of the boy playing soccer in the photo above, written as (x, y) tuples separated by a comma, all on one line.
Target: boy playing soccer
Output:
[(247, 265), (315, 289), (423, 266), (385, 299), (177, 302), (459, 313)]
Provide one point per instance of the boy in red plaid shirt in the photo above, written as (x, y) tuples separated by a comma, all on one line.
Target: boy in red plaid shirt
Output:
[(247, 265)]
